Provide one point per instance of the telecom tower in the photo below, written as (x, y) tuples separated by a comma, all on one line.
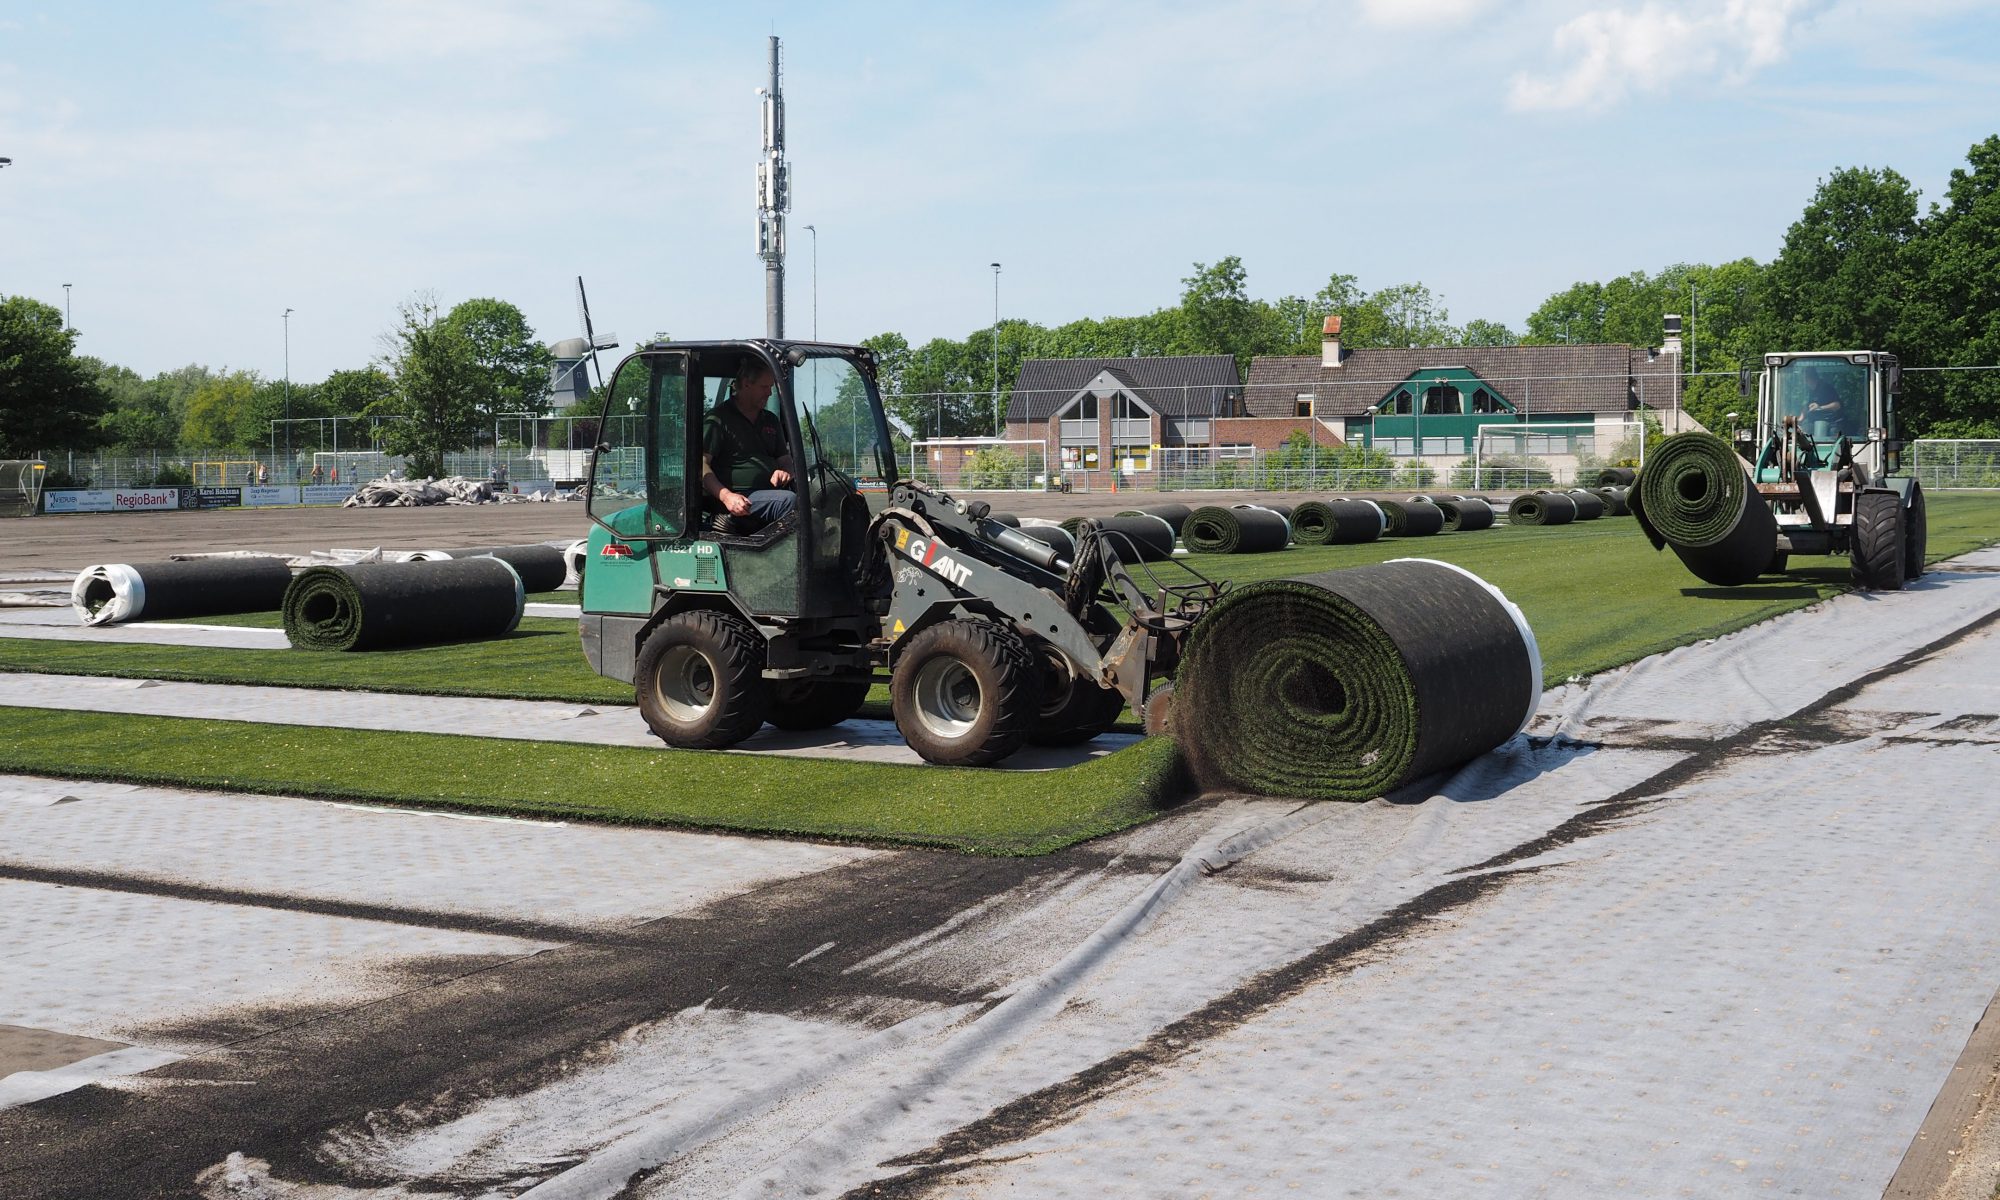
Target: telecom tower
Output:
[(774, 200)]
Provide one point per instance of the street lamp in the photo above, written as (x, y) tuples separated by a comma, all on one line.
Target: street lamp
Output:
[(997, 430), (5, 161), (288, 383), (815, 257)]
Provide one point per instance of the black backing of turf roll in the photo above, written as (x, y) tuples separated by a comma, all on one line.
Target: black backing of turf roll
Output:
[(1337, 522), (1541, 508), (1614, 501), (1008, 519), (542, 567), (1696, 496), (1617, 477), (377, 606), (1412, 520), (1466, 514), (1144, 539), (1053, 535), (1346, 685), (1243, 529), (114, 593), (1589, 505), (1175, 515), (1283, 510)]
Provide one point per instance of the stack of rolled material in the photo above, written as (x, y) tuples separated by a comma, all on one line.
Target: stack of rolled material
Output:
[(542, 568), (1466, 514), (1141, 539), (1175, 515), (1589, 505), (376, 606), (1412, 520), (1696, 496), (114, 593), (1349, 684), (1337, 522), (1617, 477), (1244, 529), (1614, 501), (1541, 508)]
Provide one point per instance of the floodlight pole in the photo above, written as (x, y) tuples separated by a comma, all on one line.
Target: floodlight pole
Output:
[(67, 326), (998, 428), (288, 383)]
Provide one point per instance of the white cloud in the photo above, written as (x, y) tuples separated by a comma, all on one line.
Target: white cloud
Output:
[(504, 33), (1421, 13), (1613, 52)]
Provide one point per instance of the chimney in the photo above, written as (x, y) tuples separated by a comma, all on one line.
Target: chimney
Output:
[(1329, 345), (1671, 343)]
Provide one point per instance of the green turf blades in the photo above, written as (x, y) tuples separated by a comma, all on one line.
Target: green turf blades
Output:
[(1696, 497), (1348, 684), (1245, 530), (373, 606)]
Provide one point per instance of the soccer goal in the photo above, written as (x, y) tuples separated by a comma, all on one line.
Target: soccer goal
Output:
[(21, 486), (350, 466), (224, 473), (1542, 454), (981, 464)]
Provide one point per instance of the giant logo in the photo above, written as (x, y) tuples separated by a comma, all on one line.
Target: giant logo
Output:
[(930, 553)]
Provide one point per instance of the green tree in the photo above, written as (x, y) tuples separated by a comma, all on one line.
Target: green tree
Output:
[(219, 414), (434, 408), (1841, 280), (513, 365), (49, 398), (1481, 332), (1953, 319), (140, 417)]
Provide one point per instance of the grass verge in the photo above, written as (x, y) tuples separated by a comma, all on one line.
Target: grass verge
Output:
[(977, 811)]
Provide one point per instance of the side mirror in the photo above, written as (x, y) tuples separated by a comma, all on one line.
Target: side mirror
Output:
[(1744, 385), (1896, 380)]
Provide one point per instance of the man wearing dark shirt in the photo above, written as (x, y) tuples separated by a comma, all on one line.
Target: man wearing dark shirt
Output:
[(746, 468)]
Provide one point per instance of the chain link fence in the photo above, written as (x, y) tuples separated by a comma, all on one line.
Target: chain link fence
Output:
[(1956, 463)]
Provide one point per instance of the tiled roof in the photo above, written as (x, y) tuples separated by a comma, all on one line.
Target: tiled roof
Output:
[(1536, 379), (1170, 385)]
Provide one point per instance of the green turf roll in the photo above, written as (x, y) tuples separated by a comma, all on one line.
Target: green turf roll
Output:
[(1055, 535), (1349, 684), (1244, 529), (1412, 520), (1008, 519), (1143, 538), (1614, 501), (541, 567), (1541, 508), (1175, 515), (1696, 497), (1337, 522), (1617, 477), (1466, 514), (375, 606), (1283, 510), (1589, 505), (114, 593)]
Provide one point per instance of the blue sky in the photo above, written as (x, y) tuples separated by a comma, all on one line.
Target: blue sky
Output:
[(193, 169)]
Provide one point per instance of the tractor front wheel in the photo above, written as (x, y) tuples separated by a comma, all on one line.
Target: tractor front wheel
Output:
[(700, 681), (965, 693), (1074, 710), (1876, 545)]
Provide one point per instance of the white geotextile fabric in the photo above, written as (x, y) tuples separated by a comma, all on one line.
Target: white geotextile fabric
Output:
[(414, 493)]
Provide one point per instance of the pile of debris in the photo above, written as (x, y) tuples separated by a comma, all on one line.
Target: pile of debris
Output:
[(413, 493)]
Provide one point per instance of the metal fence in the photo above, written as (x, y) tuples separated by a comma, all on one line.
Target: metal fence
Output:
[(1956, 463)]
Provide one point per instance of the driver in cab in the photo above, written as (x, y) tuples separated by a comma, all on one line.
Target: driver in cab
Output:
[(746, 468)]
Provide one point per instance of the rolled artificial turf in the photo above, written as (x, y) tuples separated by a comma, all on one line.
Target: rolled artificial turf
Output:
[(1614, 501), (1337, 522), (375, 606), (1175, 515), (1139, 538), (114, 593), (1467, 514), (542, 568), (1541, 508), (1053, 535), (1008, 519), (1346, 685), (1412, 520), (1244, 529), (1589, 505), (1697, 497), (1617, 477)]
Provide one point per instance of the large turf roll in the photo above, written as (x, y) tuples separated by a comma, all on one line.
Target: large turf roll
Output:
[(1008, 519), (1244, 529), (1412, 520), (1337, 522), (1696, 497), (1617, 477), (1614, 501), (114, 593), (542, 567), (1348, 684), (575, 556), (1589, 505), (1541, 508), (1466, 514), (1144, 538), (1283, 510), (1175, 515), (1054, 535), (375, 606)]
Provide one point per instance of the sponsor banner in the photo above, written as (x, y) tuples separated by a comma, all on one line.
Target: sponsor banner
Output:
[(211, 497), (257, 497), (325, 493), (76, 500), (145, 499)]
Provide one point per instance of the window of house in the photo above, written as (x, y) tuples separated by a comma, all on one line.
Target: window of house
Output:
[(1234, 450), (1302, 404), (1483, 402), (1085, 410), (1442, 400), (1398, 405)]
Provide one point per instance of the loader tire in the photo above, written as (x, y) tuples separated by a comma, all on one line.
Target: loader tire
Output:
[(815, 703), (1073, 710), (1780, 561), (1876, 542), (966, 693), (1916, 534), (700, 683)]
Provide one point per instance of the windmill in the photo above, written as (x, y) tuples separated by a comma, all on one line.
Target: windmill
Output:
[(568, 379)]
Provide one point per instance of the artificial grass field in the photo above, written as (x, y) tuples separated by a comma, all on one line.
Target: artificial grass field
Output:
[(1596, 594)]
